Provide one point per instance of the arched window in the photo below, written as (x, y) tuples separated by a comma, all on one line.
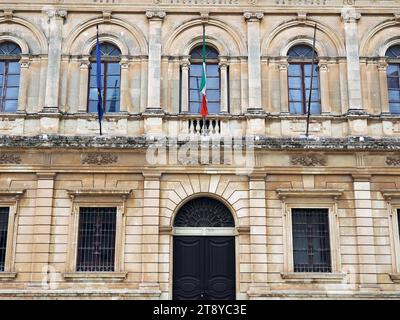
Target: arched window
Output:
[(393, 78), (10, 54), (110, 78), (213, 80), (204, 212), (299, 77)]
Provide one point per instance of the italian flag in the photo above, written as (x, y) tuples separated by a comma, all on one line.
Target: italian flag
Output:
[(203, 83)]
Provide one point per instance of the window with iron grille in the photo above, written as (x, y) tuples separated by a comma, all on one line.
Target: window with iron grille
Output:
[(96, 239), (213, 80), (110, 79), (393, 78), (299, 81), (311, 248), (4, 213), (10, 54)]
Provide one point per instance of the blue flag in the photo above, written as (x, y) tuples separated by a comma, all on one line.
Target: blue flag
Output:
[(98, 78)]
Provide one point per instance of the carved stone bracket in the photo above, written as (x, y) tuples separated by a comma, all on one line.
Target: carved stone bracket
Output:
[(308, 160), (393, 161), (57, 13), (350, 15), (155, 15), (100, 158), (253, 16), (9, 158), (8, 14)]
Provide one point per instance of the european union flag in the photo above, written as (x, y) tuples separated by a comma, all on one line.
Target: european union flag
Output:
[(98, 78)]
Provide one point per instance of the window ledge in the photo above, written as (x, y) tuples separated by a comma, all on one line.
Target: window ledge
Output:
[(309, 277), (95, 276), (395, 277), (7, 275)]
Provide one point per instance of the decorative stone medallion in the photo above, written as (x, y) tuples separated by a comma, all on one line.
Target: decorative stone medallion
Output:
[(99, 158), (307, 160)]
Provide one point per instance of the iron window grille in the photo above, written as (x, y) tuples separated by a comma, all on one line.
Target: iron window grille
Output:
[(4, 216), (10, 54), (311, 243), (393, 78), (299, 79), (96, 239), (213, 80), (110, 79)]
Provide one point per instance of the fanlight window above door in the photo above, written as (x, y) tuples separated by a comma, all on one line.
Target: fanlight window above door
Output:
[(204, 212)]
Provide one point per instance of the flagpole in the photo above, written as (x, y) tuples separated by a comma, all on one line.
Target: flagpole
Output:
[(98, 79), (311, 80)]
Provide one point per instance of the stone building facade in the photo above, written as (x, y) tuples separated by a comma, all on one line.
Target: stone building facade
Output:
[(256, 177)]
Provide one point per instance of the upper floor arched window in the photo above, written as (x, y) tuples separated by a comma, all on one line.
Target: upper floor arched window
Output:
[(110, 78), (299, 80), (393, 78), (213, 80), (10, 54)]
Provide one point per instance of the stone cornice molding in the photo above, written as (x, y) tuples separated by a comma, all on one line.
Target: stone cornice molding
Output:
[(309, 193)]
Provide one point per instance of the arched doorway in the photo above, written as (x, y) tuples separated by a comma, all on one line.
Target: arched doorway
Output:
[(204, 251)]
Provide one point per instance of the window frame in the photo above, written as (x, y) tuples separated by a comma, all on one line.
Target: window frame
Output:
[(105, 61), (7, 59), (95, 198), (311, 199), (395, 62), (209, 61), (10, 198)]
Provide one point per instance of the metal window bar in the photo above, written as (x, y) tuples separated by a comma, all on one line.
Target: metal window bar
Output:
[(311, 248), (4, 213), (96, 239)]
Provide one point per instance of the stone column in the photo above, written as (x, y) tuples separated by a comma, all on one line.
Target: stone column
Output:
[(244, 85), (83, 84), (23, 84), (384, 94), (185, 65), (324, 87), (365, 232), (154, 65), (56, 19), (283, 84), (42, 227), (125, 94), (258, 234), (350, 18), (150, 231), (223, 67), (254, 60)]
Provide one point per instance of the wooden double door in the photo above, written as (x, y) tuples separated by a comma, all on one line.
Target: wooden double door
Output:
[(204, 268)]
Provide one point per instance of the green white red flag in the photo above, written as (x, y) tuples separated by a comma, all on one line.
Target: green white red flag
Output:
[(203, 83)]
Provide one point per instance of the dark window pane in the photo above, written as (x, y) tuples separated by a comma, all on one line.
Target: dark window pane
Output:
[(212, 70), (96, 239), (194, 107), (112, 105), (4, 213), (392, 70), (213, 95), (315, 108), (295, 95), (12, 93), (393, 51), (296, 107), (393, 83), (301, 51), (195, 95), (107, 50), (12, 80), (394, 95), (294, 70), (213, 108), (295, 83), (13, 68), (197, 53), (196, 70), (311, 247), (113, 69), (394, 107), (92, 107), (213, 83), (10, 105)]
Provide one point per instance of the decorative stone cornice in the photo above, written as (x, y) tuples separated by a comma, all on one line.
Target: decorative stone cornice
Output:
[(57, 13), (253, 16), (155, 15), (307, 160), (100, 158), (350, 15), (9, 158)]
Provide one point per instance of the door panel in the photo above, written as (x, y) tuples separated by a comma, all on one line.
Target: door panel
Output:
[(220, 268), (204, 268), (188, 267)]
